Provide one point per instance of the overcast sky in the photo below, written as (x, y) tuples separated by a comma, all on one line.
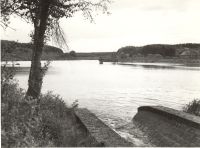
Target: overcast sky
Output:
[(132, 22)]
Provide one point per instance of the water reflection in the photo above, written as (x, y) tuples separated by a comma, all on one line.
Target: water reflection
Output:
[(163, 66)]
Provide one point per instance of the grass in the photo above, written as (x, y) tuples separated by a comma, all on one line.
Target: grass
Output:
[(193, 107), (37, 123)]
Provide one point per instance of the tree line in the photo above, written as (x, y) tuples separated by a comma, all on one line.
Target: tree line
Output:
[(161, 49)]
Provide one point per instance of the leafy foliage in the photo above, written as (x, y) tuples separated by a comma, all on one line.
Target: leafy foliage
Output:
[(72, 53), (161, 49), (128, 49), (11, 50), (164, 50), (30, 11)]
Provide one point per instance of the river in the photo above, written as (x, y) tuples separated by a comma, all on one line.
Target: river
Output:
[(115, 91)]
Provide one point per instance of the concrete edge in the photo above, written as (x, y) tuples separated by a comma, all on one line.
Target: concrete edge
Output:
[(111, 139), (179, 116)]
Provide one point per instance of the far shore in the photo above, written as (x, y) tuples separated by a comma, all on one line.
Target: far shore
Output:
[(131, 60), (177, 61), (185, 61)]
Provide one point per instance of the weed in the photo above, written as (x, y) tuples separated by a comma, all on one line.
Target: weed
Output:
[(193, 107)]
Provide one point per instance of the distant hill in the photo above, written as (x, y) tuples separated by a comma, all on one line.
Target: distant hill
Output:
[(188, 50), (11, 50)]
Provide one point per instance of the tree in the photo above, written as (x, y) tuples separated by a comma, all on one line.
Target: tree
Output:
[(72, 53), (45, 16)]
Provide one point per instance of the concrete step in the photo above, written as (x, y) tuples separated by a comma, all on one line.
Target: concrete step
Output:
[(100, 131)]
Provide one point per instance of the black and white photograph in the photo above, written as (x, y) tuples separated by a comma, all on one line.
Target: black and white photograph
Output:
[(100, 73)]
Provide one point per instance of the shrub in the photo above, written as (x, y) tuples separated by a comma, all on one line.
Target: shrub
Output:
[(36, 123), (193, 107), (72, 53)]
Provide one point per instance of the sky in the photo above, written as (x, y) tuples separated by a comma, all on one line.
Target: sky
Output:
[(131, 23)]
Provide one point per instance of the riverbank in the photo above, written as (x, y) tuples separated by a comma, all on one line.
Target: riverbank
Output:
[(45, 122), (184, 61), (48, 121)]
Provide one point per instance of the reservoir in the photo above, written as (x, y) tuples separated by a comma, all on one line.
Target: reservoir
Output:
[(115, 91)]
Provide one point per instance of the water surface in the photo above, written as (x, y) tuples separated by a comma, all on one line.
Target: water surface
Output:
[(115, 91)]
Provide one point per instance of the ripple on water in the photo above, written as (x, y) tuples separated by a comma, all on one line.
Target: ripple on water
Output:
[(114, 92)]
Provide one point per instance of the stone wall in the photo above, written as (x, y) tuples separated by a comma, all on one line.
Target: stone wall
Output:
[(168, 127)]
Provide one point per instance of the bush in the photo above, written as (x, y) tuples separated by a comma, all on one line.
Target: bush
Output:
[(193, 107), (36, 123), (72, 53)]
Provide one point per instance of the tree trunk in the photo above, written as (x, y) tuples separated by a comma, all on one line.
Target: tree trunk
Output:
[(36, 74)]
